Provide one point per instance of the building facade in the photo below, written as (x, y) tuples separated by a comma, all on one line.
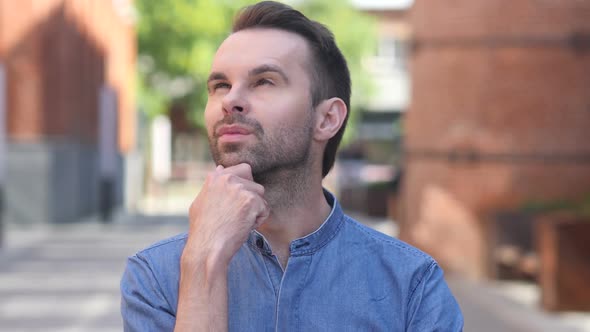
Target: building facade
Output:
[(380, 130), (499, 117), (70, 115)]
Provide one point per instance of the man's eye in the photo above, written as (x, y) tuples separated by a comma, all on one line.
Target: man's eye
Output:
[(263, 81), (217, 86), (221, 85)]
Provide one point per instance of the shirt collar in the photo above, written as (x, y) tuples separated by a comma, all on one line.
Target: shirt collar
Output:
[(313, 241)]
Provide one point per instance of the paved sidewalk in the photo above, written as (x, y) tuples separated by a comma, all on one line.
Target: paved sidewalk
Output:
[(66, 278), (510, 306)]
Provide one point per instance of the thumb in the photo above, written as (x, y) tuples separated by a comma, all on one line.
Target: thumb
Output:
[(262, 216)]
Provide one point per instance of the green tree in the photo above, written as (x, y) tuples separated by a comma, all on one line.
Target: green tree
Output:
[(177, 40)]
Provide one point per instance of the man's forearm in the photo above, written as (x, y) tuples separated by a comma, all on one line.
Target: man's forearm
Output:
[(202, 300), (227, 208)]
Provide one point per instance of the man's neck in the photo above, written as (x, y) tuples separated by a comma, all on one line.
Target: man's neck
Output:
[(298, 207)]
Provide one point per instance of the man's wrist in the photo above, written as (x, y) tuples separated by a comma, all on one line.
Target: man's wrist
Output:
[(204, 263)]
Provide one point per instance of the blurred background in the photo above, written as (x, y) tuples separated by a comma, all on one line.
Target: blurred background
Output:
[(469, 138)]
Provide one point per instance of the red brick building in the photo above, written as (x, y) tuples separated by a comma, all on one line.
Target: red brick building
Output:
[(500, 116), (58, 55)]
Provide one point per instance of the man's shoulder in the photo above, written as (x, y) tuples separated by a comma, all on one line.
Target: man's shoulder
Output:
[(152, 275), (391, 247), (169, 247)]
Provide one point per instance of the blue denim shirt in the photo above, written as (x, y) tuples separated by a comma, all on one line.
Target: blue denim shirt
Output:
[(342, 277)]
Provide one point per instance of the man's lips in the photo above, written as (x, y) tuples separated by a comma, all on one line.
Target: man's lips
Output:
[(233, 134), (233, 130)]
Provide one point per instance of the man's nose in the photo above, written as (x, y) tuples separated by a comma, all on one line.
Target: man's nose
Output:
[(235, 101)]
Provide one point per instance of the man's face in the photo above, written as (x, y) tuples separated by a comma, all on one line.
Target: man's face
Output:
[(259, 109)]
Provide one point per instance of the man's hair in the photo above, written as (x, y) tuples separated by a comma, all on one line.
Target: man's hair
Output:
[(328, 71)]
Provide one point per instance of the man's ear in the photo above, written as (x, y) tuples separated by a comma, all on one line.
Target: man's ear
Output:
[(330, 115)]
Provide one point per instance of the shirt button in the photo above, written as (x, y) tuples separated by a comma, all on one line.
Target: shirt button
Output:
[(260, 243)]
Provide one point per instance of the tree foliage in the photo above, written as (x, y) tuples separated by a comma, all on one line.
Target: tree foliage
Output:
[(177, 40)]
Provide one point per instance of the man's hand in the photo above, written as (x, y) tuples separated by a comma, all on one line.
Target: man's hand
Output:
[(228, 207)]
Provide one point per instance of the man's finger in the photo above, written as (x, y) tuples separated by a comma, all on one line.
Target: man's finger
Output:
[(262, 216), (242, 170), (251, 186)]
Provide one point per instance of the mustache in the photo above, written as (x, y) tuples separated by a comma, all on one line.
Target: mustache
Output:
[(238, 118)]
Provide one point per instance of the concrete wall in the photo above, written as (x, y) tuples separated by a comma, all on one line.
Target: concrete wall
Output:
[(499, 117), (54, 182)]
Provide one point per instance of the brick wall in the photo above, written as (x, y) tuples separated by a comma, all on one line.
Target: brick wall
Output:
[(499, 116), (58, 53)]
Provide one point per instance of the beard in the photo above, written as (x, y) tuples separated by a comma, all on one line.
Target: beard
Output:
[(285, 150)]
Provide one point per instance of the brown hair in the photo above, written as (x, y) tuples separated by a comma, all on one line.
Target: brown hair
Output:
[(329, 72)]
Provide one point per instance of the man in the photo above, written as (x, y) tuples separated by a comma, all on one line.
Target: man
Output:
[(268, 249)]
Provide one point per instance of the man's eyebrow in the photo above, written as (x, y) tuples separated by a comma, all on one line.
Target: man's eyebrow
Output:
[(214, 76), (268, 68)]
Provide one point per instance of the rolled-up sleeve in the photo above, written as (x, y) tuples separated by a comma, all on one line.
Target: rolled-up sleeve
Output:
[(432, 306), (143, 305)]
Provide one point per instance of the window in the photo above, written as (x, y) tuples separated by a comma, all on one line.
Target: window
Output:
[(394, 50)]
